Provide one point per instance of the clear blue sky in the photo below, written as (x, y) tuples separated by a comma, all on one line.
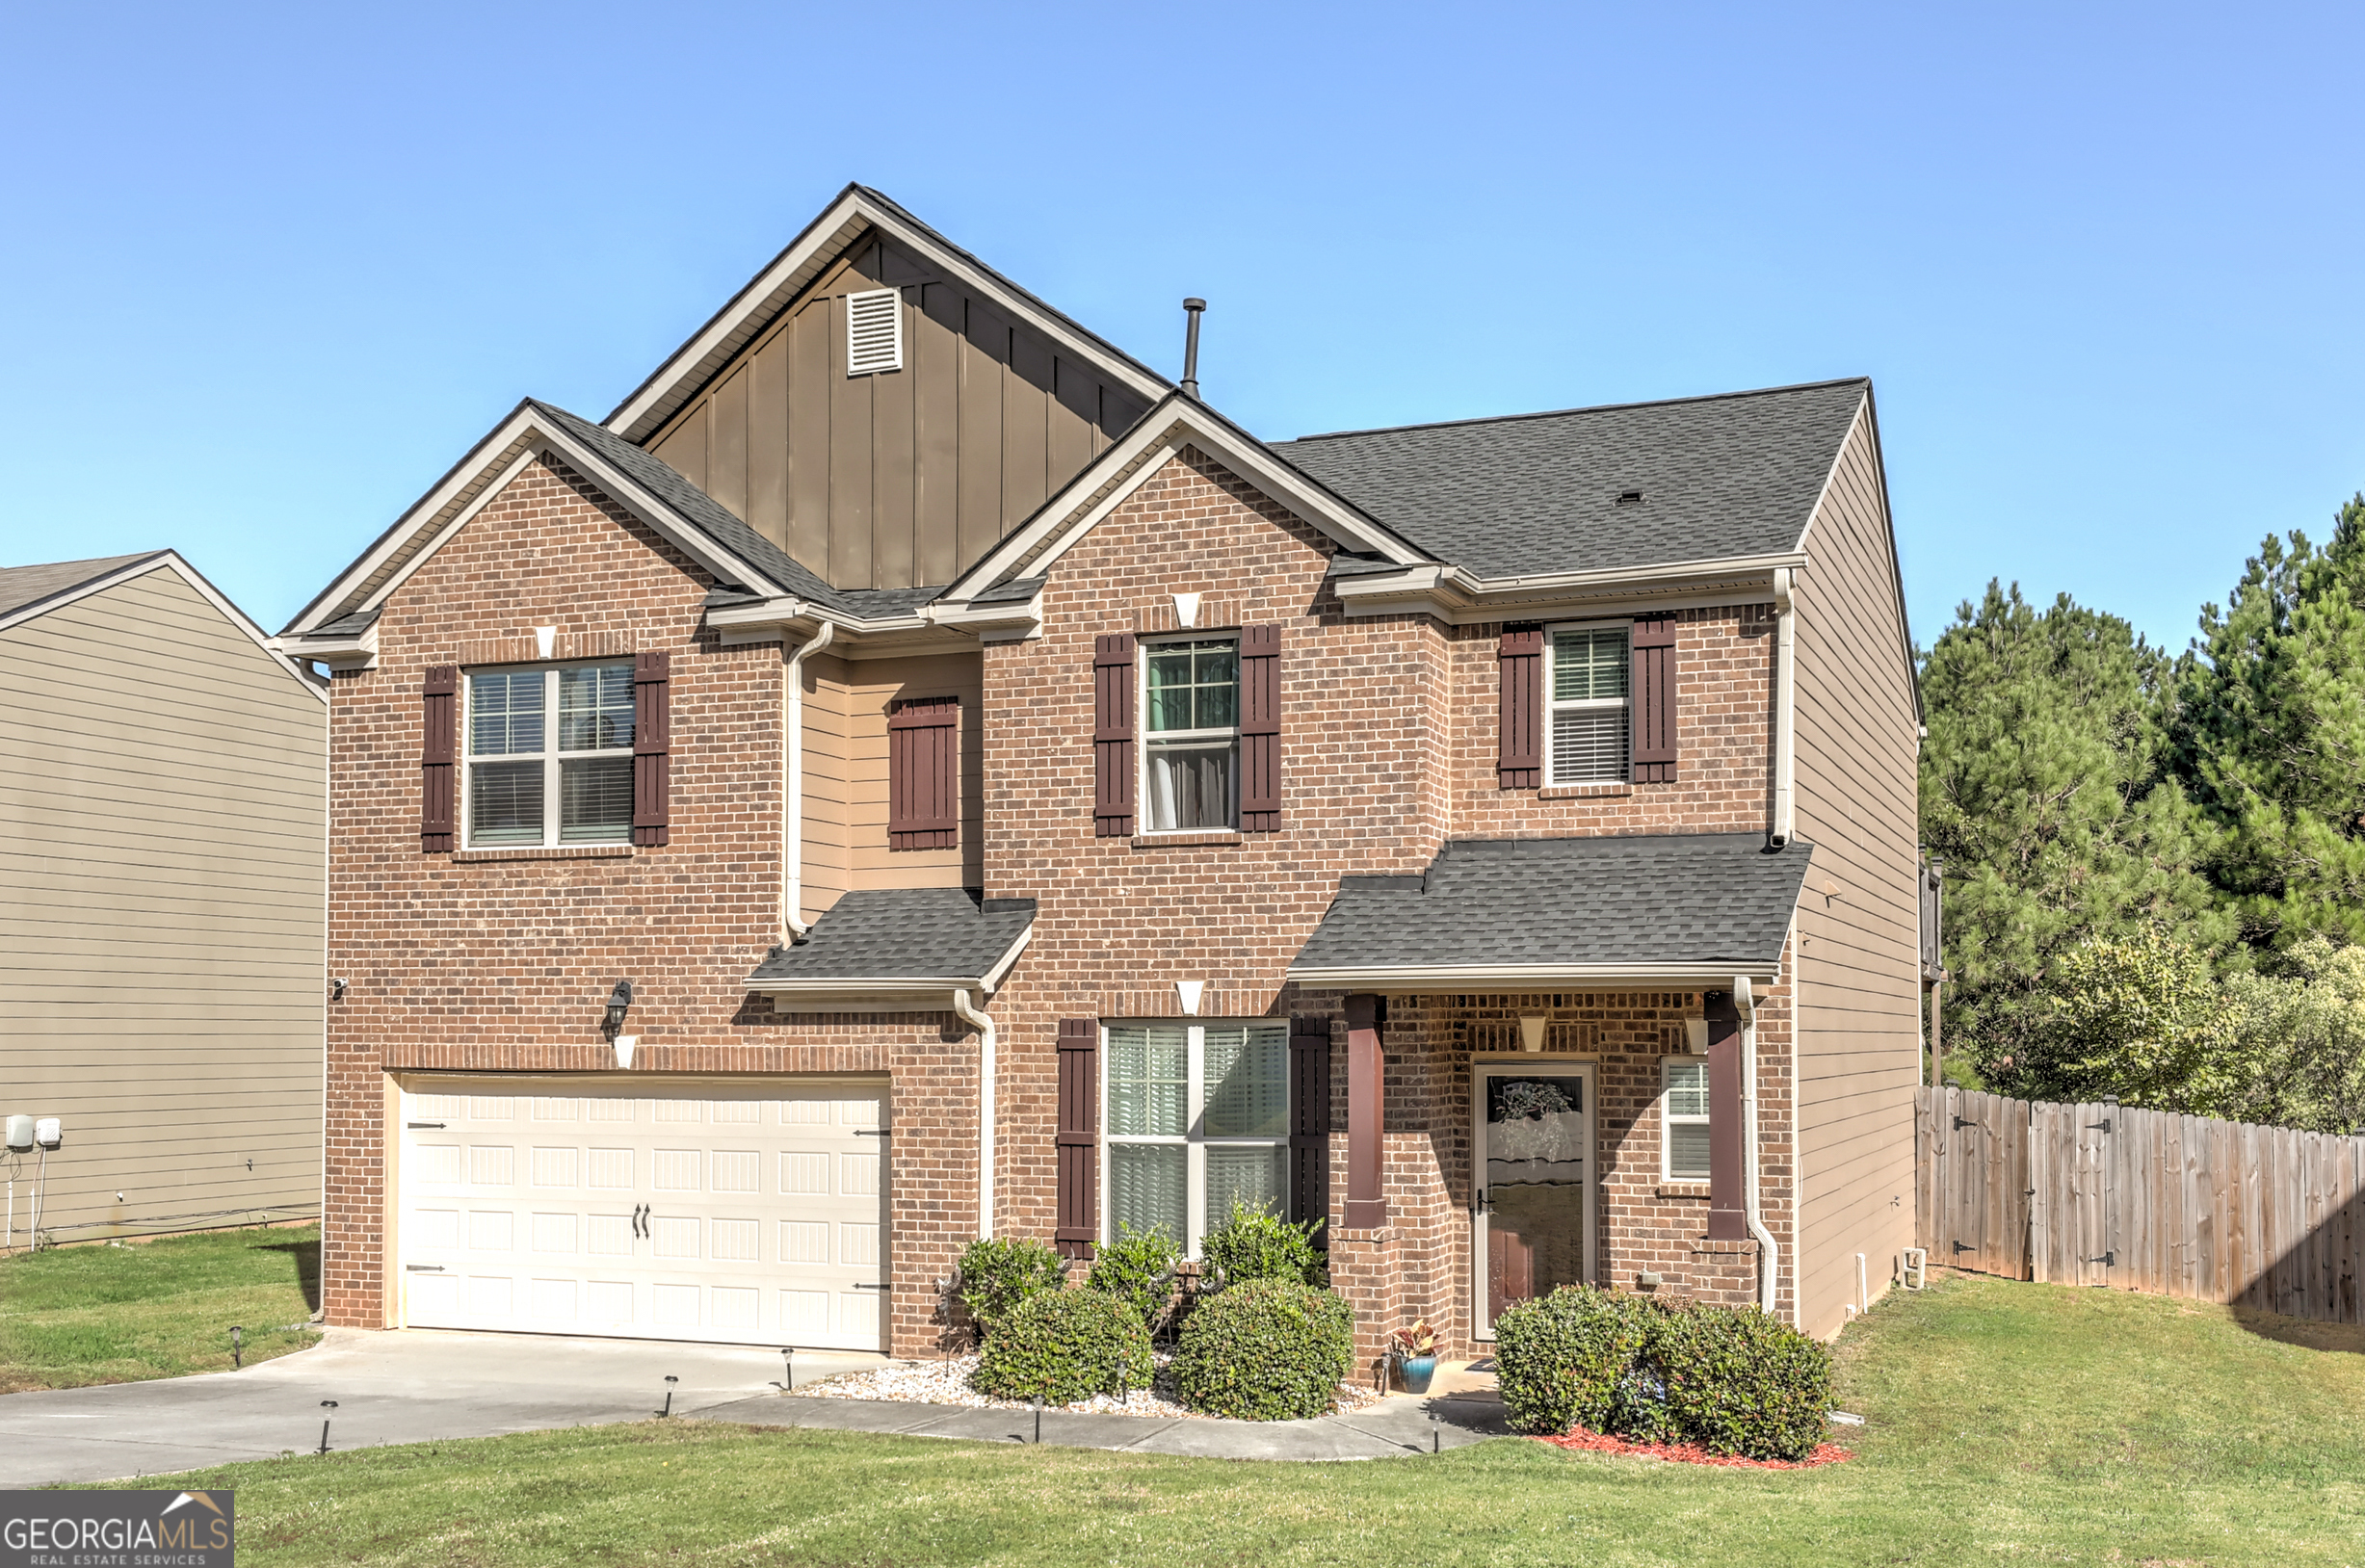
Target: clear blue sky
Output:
[(270, 270)]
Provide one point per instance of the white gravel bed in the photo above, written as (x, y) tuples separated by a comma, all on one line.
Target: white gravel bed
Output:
[(947, 1383)]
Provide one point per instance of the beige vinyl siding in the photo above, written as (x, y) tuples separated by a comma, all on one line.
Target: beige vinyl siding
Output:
[(1858, 1041), (162, 889), (905, 477), (846, 775)]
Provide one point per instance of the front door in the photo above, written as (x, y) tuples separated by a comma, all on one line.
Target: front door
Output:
[(1533, 1182)]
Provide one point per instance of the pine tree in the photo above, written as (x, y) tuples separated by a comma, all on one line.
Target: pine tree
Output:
[(2046, 789)]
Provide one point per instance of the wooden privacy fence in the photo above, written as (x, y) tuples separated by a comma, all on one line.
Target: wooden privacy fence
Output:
[(2143, 1200)]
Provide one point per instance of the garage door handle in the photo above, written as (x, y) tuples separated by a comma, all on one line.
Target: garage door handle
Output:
[(414, 1126), (872, 1132), (424, 1268), (859, 1286)]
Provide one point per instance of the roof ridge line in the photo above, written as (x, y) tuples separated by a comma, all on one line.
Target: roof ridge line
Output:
[(1585, 409)]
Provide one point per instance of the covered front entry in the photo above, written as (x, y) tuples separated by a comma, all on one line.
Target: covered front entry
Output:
[(746, 1212), (1532, 1144)]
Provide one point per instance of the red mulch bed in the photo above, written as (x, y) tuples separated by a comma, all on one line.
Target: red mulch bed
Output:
[(1692, 1454)]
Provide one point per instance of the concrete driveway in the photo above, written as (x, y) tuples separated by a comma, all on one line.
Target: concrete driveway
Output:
[(405, 1386)]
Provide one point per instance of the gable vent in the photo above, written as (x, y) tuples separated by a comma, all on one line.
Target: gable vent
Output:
[(874, 331)]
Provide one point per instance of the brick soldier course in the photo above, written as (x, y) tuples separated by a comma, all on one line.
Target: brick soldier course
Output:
[(497, 961)]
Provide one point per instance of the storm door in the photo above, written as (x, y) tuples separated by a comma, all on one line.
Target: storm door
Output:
[(1532, 1193)]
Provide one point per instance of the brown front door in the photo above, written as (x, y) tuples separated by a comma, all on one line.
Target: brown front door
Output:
[(1532, 1220)]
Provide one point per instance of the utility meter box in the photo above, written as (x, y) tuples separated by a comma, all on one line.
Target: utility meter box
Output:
[(21, 1135), (49, 1133)]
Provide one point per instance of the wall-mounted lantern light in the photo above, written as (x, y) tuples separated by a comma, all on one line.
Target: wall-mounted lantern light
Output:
[(620, 1002)]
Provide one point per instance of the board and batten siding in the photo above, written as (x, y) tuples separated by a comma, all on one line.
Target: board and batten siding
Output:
[(162, 914), (846, 787), (1858, 1038), (903, 478)]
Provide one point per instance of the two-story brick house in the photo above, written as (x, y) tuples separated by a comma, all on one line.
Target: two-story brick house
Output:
[(911, 771)]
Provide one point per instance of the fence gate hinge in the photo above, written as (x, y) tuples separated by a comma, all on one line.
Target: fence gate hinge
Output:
[(2109, 1260), (1963, 1247), (2104, 1124), (1960, 1124)]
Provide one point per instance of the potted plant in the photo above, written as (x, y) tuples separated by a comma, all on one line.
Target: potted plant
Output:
[(1414, 1352)]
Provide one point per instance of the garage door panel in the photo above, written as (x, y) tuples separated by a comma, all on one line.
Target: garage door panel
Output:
[(592, 1212)]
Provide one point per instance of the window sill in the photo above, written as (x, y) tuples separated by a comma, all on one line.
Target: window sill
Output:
[(1180, 840), (535, 852), (1703, 1245), (1683, 1190), (1583, 791)]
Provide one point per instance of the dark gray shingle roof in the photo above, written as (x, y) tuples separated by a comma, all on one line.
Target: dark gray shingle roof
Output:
[(903, 933), (21, 585), (1720, 476), (1675, 899)]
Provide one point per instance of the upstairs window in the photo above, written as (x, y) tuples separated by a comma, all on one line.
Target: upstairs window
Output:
[(1197, 1117), (1586, 673), (549, 756), (1684, 1121), (1191, 761)]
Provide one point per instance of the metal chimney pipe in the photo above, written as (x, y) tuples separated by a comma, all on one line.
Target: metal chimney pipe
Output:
[(1191, 350)]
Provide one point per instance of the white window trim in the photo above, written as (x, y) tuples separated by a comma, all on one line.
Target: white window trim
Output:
[(1193, 1139), (1669, 1120), (551, 757), (1626, 704), (1142, 647)]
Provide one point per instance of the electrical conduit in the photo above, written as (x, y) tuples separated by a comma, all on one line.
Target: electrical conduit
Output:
[(793, 925), (1769, 1255)]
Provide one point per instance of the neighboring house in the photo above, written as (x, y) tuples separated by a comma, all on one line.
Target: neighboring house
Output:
[(913, 772), (161, 903)]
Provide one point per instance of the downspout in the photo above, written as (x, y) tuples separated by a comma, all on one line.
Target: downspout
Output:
[(1785, 709), (793, 925), (1769, 1255), (983, 1025)]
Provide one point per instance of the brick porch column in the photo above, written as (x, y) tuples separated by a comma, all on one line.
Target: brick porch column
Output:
[(1726, 1220), (1367, 1204)]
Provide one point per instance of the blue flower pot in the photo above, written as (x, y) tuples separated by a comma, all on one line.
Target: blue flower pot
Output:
[(1415, 1371)]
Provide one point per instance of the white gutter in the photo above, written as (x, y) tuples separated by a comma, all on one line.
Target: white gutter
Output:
[(1785, 709), (984, 1108), (1769, 1255), (793, 925), (1533, 976)]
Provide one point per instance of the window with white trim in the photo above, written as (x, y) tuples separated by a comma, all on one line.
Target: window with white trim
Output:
[(549, 756), (1196, 1117), (1591, 725), (1191, 758), (1683, 1119)]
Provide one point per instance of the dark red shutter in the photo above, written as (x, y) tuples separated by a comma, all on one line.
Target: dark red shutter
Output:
[(1520, 662), (1260, 729), (1113, 735), (439, 758), (924, 774), (652, 740), (1309, 1122), (1079, 1138), (1652, 674)]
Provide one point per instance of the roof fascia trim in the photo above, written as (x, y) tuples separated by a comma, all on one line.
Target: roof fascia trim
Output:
[(826, 237), (169, 560), (1457, 597), (1480, 977), (1113, 477)]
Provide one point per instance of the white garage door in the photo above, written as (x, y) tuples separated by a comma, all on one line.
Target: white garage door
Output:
[(751, 1215)]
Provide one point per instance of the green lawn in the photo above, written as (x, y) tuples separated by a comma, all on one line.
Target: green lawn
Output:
[(2008, 1424), (81, 1315)]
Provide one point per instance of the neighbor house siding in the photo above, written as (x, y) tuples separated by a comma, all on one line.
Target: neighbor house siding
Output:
[(161, 913), (903, 478), (1858, 1035)]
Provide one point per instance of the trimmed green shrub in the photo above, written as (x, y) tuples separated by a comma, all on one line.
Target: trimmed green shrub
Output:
[(1065, 1345), (996, 1275), (1560, 1358), (1742, 1382), (1733, 1381), (1257, 1244), (1265, 1350), (1138, 1268)]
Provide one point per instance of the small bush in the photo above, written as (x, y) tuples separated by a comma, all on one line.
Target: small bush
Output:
[(1065, 1345), (1257, 1244), (1742, 1382), (996, 1275), (1266, 1349), (1138, 1268), (1732, 1382), (1562, 1358)]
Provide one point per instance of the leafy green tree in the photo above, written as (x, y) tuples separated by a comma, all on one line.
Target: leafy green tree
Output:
[(2140, 1017), (2300, 1038), (2271, 738), (2046, 789)]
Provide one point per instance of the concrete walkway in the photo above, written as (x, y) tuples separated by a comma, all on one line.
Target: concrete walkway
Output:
[(420, 1385)]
